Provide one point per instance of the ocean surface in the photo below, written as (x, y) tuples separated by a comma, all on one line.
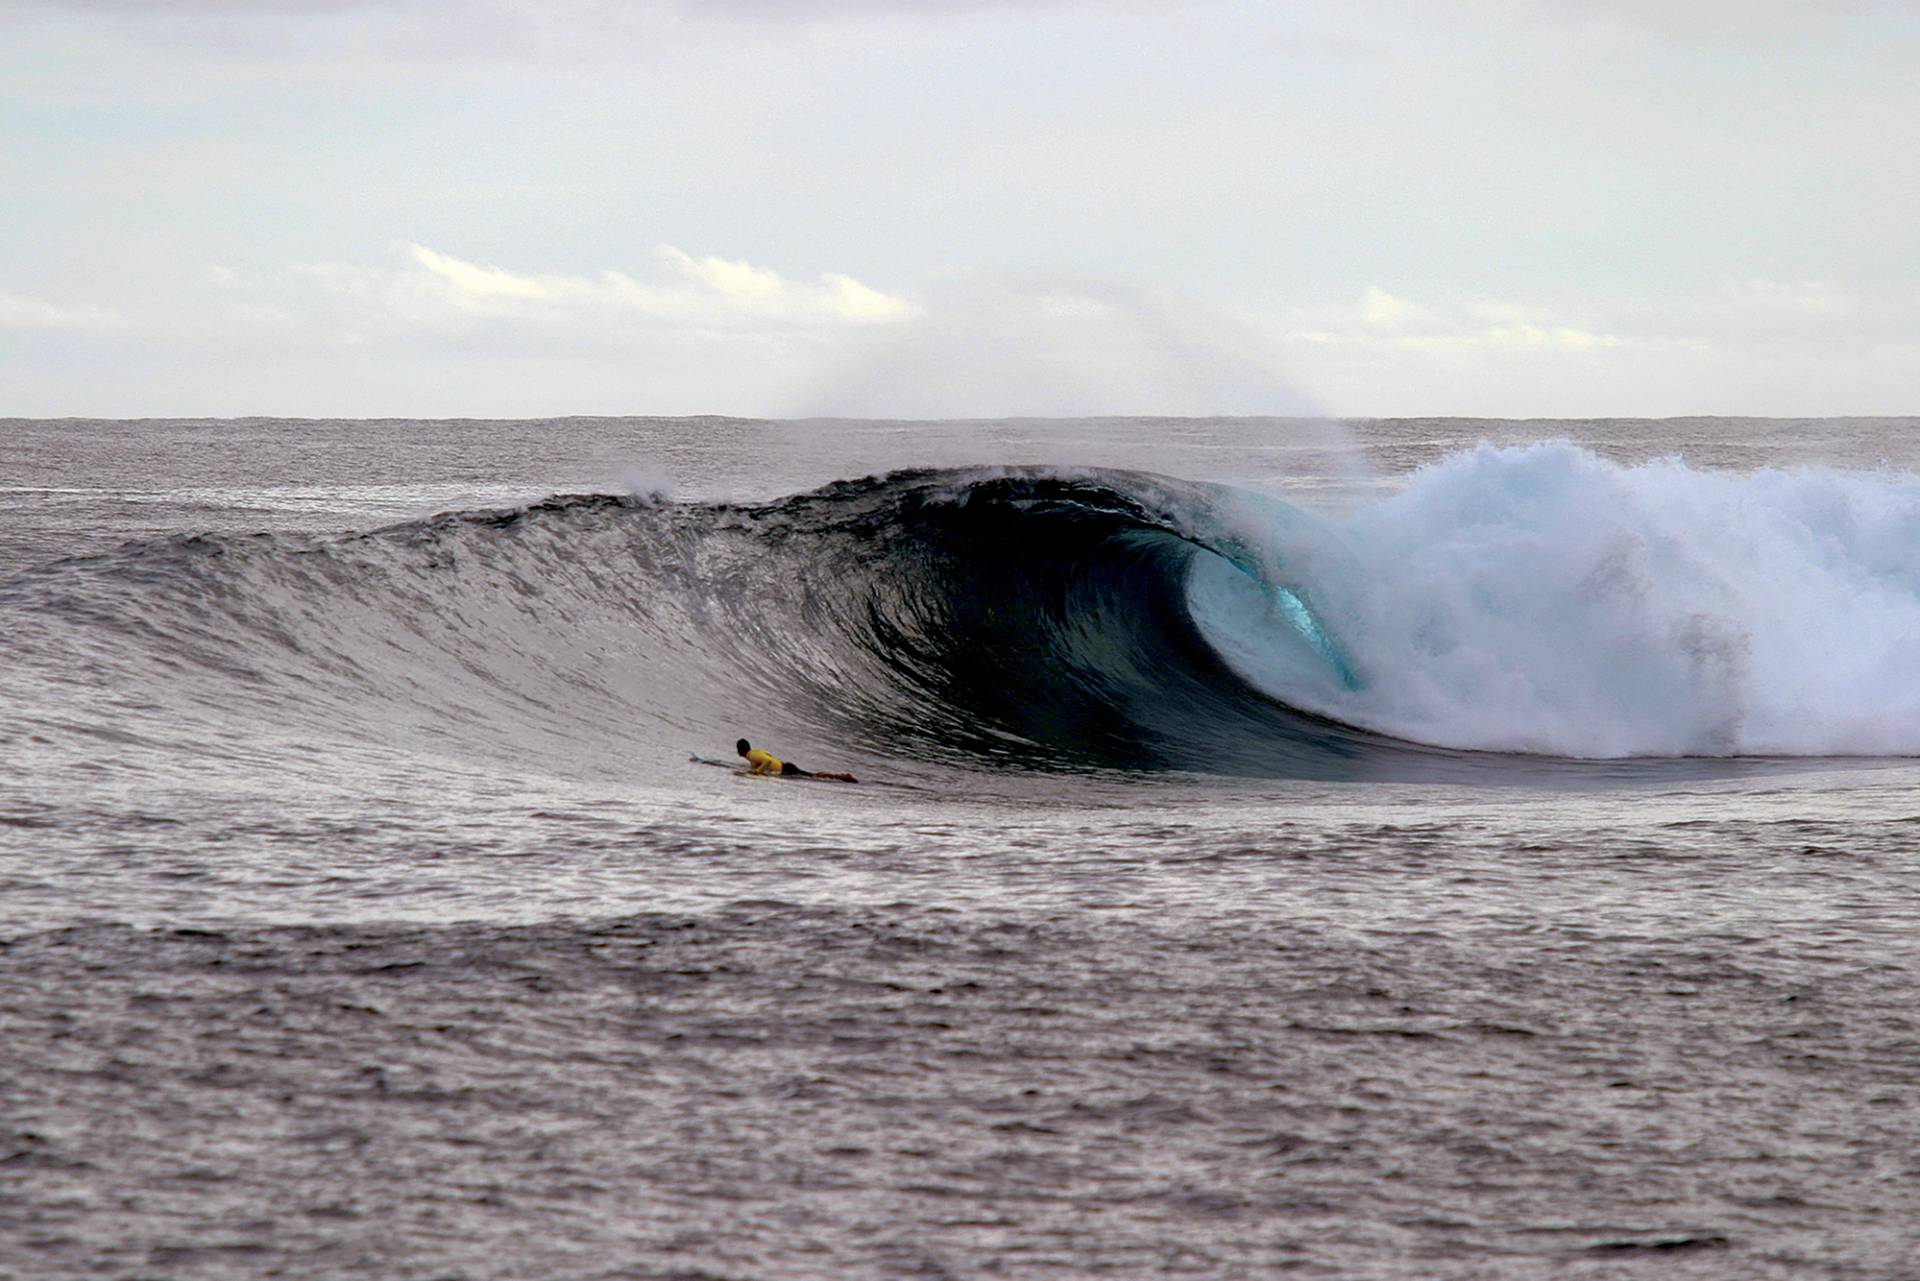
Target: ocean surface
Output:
[(1389, 849)]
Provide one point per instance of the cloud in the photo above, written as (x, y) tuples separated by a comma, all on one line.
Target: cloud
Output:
[(1819, 301), (1754, 316), (19, 311), (430, 287), (1740, 345), (1382, 310), (481, 282), (1381, 319), (736, 280)]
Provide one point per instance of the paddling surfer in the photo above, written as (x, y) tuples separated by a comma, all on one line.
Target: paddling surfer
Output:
[(759, 762)]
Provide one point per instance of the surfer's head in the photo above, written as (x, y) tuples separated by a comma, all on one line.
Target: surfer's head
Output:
[(743, 747)]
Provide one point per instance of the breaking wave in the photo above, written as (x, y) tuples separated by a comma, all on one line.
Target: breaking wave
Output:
[(1537, 601)]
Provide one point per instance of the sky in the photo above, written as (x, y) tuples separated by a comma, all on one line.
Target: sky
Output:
[(509, 208)]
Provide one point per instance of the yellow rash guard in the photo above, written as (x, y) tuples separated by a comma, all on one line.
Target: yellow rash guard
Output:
[(762, 762)]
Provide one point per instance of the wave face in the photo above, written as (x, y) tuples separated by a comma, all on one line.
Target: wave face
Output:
[(1535, 600)]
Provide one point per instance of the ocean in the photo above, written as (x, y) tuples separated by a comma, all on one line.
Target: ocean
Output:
[(1381, 849)]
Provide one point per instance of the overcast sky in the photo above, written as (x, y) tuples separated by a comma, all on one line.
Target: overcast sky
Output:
[(532, 207)]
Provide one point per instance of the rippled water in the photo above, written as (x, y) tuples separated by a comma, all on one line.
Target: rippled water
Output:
[(364, 913)]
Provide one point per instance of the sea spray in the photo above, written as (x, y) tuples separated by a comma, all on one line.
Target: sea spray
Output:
[(1542, 599)]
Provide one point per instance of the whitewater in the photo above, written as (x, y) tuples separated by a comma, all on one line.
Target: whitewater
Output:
[(1413, 848), (1543, 599)]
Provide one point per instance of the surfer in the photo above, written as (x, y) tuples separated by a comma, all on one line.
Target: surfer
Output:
[(759, 762)]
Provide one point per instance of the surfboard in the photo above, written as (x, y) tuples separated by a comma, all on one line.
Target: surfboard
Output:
[(737, 768)]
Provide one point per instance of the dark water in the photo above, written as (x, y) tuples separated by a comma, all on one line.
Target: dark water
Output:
[(1222, 896)]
